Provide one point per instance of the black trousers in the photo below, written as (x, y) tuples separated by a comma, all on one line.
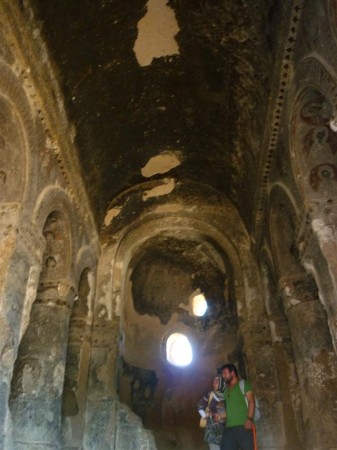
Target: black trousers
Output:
[(237, 438)]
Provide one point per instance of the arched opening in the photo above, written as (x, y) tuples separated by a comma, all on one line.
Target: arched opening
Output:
[(163, 277)]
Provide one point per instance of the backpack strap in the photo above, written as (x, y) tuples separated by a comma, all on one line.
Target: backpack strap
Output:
[(242, 387), (256, 411)]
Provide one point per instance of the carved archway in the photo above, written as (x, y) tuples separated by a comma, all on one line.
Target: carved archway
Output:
[(17, 140)]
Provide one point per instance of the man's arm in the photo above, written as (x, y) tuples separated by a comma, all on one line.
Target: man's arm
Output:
[(251, 409)]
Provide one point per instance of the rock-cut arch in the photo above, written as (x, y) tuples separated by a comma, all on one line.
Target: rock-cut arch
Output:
[(18, 144)]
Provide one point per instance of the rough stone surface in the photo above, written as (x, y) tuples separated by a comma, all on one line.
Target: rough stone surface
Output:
[(152, 150), (204, 97)]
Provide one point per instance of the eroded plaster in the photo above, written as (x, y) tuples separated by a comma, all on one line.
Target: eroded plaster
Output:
[(164, 189), (162, 163), (156, 33), (324, 232), (110, 215)]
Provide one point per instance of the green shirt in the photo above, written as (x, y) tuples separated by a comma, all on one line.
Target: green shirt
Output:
[(236, 406)]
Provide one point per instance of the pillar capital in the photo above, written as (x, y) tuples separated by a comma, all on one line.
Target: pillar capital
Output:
[(56, 293)]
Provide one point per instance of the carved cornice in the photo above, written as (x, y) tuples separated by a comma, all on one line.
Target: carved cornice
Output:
[(272, 132), (33, 67)]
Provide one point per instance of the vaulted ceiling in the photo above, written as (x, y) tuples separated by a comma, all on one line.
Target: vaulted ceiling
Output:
[(187, 81)]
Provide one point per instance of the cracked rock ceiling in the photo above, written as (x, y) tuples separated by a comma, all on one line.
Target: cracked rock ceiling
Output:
[(185, 82)]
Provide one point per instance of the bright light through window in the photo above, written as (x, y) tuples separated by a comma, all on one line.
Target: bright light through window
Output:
[(178, 350), (199, 305)]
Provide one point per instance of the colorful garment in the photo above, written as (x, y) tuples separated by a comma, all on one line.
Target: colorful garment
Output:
[(214, 429)]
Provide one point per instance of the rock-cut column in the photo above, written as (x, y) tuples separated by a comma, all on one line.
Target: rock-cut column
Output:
[(315, 360), (37, 384), (21, 249)]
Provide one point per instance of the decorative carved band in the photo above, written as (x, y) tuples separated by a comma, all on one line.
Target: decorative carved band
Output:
[(273, 131)]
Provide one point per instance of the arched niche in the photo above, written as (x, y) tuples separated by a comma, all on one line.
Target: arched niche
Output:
[(161, 276), (53, 198), (17, 140), (57, 255)]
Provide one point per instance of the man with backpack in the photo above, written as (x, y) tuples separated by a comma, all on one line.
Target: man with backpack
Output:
[(240, 408)]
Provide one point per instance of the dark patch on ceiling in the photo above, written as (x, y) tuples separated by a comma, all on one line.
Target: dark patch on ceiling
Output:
[(167, 271), (208, 102)]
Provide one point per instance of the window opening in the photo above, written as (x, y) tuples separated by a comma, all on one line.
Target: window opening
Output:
[(178, 350), (199, 305)]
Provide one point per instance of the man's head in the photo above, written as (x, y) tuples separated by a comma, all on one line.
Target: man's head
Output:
[(229, 373)]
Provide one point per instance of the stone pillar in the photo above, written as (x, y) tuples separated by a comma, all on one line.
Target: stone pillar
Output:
[(319, 255), (101, 417), (286, 395), (37, 384), (315, 360), (76, 383), (21, 250), (263, 376), (259, 358)]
